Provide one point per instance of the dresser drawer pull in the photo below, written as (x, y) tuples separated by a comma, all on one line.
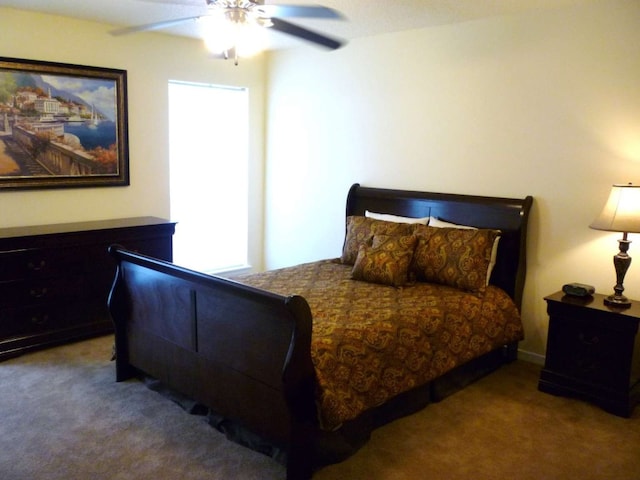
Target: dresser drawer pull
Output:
[(38, 292), (40, 319), (593, 340), (36, 266)]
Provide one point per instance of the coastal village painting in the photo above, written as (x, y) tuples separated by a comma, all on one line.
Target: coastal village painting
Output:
[(58, 127)]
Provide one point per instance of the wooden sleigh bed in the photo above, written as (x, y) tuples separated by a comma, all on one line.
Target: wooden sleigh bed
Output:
[(244, 348)]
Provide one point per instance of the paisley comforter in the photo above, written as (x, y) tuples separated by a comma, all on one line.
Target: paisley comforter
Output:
[(371, 342)]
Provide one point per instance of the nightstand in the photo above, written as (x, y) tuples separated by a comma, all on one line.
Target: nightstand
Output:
[(593, 352)]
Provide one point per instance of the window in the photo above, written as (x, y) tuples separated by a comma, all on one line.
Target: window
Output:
[(208, 154)]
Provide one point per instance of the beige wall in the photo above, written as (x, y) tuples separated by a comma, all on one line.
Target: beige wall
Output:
[(544, 104), (151, 60)]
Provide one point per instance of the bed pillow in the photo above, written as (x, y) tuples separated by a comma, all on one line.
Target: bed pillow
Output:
[(360, 231), (453, 256), (386, 260), (388, 217), (436, 222)]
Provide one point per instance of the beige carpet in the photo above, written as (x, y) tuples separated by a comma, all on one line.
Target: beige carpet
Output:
[(64, 417)]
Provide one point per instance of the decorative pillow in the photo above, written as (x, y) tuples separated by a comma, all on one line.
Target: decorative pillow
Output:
[(388, 217), (436, 222), (386, 261), (453, 256), (360, 230)]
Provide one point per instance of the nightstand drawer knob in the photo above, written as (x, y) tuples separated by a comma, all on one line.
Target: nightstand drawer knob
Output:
[(589, 340), (586, 365)]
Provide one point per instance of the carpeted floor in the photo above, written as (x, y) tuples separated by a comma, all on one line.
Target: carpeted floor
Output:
[(64, 417)]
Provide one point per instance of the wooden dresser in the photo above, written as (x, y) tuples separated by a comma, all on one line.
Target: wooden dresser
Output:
[(55, 279)]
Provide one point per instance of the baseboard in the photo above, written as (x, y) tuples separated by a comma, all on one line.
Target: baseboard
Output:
[(531, 357)]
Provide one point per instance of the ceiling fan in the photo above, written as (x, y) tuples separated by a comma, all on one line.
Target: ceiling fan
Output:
[(230, 21)]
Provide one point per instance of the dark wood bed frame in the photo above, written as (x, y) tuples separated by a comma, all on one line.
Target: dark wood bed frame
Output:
[(245, 352)]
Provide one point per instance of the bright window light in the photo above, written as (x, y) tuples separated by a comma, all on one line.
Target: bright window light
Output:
[(208, 148)]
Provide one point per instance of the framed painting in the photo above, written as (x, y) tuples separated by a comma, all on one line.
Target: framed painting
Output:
[(62, 125)]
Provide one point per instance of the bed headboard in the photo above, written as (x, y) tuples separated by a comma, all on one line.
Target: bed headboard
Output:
[(509, 215)]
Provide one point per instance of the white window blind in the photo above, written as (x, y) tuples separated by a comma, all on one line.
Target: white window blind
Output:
[(208, 148)]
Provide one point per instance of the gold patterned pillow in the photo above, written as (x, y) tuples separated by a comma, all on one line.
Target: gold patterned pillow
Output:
[(452, 256), (360, 231), (386, 261)]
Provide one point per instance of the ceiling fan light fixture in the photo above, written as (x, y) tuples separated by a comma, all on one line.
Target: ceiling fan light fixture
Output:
[(233, 29), (250, 40), (218, 34)]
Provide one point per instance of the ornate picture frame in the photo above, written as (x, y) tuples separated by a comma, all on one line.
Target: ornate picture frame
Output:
[(62, 125)]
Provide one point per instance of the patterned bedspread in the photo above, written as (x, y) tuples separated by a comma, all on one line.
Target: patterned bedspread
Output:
[(371, 342)]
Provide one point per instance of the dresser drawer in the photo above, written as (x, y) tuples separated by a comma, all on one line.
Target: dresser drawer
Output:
[(40, 263), (23, 321), (65, 289)]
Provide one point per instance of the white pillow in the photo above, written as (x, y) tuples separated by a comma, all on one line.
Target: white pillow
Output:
[(436, 222), (387, 217)]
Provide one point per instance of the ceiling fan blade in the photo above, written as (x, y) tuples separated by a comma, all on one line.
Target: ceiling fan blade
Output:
[(299, 11), (153, 26), (305, 34)]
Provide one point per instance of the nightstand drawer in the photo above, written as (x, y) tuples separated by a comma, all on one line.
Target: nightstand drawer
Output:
[(587, 352)]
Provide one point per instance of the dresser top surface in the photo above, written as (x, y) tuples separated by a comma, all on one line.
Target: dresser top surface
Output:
[(58, 228)]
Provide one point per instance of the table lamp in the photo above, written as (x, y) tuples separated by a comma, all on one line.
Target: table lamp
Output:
[(621, 213)]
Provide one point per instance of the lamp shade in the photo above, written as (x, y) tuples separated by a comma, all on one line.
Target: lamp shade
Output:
[(621, 213)]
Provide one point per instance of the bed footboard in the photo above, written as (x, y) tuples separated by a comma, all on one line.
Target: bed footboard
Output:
[(243, 352)]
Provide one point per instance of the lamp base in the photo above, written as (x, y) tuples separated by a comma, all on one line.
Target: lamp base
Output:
[(621, 262), (618, 301)]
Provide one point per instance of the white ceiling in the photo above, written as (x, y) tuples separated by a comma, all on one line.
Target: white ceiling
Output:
[(362, 17)]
